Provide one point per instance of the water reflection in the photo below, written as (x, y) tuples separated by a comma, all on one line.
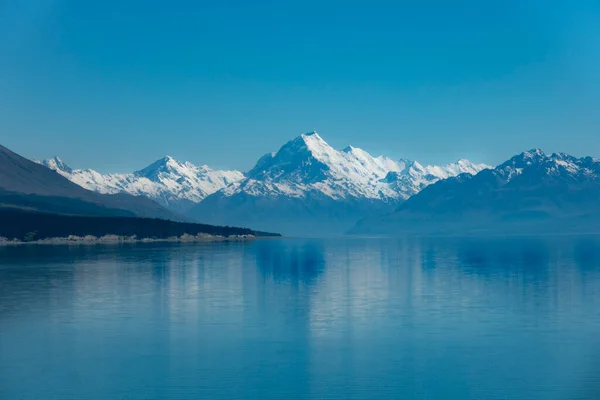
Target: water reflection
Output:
[(291, 262), (586, 252), (340, 318)]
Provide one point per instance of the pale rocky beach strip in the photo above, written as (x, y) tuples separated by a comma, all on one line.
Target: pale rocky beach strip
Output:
[(115, 239)]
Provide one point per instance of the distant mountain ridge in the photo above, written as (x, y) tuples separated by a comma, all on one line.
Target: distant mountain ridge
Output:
[(307, 186), (171, 183), (305, 179), (308, 163), (532, 191), (28, 185)]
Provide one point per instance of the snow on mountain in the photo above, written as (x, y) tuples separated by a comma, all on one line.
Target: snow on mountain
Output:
[(308, 187), (56, 164), (414, 177), (171, 183), (557, 165), (531, 192), (305, 179), (308, 163)]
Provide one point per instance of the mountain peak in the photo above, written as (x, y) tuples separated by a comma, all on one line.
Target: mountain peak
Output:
[(56, 164), (301, 159), (535, 153), (169, 161), (314, 140), (312, 133), (356, 151), (311, 142), (524, 159), (165, 163)]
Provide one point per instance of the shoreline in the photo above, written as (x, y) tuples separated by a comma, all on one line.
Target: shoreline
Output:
[(114, 239)]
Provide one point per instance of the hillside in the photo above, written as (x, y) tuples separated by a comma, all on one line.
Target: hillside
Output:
[(26, 183), (532, 192)]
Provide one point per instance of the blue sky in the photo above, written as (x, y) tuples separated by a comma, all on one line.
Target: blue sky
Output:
[(114, 85)]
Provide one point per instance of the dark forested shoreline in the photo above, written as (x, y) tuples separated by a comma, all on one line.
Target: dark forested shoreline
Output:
[(29, 226)]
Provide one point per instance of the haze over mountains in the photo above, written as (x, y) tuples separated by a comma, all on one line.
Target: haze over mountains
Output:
[(175, 185), (532, 192), (30, 186), (309, 188), (305, 186)]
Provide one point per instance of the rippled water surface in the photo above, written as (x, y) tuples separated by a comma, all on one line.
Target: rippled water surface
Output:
[(498, 318)]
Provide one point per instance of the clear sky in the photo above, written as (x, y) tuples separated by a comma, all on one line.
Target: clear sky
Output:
[(115, 84)]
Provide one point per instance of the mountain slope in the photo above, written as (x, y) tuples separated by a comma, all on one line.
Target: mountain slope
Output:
[(309, 163), (23, 182), (307, 187), (531, 192), (175, 185)]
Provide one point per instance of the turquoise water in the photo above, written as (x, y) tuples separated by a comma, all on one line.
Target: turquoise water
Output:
[(499, 318)]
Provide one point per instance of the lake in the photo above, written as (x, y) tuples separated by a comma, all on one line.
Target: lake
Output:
[(417, 318)]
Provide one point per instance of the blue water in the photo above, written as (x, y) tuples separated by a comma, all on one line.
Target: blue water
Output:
[(498, 318)]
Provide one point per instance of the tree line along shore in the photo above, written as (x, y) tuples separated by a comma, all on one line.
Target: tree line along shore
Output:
[(21, 226)]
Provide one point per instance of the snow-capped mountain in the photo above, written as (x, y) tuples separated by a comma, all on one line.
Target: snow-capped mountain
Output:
[(26, 185), (169, 182), (309, 180), (308, 163), (549, 167), (414, 177), (531, 192), (306, 179)]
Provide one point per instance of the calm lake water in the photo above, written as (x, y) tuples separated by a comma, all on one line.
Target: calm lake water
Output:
[(498, 318)]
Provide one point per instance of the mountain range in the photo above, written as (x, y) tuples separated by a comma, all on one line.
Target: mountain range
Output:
[(532, 192), (175, 185), (305, 186), (29, 186), (309, 188)]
